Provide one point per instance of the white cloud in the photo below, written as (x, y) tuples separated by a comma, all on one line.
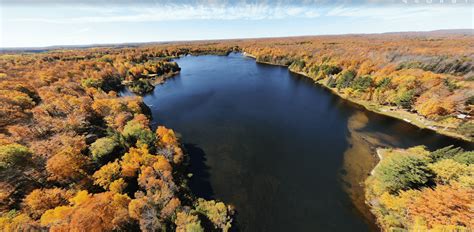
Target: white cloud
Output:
[(396, 12), (176, 12), (181, 12)]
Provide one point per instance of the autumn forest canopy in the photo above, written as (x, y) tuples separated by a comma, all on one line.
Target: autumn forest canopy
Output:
[(76, 155)]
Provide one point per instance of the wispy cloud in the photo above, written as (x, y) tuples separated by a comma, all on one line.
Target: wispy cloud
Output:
[(194, 2), (87, 14), (165, 20), (395, 12), (175, 12)]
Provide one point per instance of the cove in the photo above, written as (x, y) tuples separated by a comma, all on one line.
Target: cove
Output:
[(287, 153)]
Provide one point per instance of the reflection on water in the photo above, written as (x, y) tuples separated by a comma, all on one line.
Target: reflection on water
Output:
[(274, 144), (364, 138), (358, 161)]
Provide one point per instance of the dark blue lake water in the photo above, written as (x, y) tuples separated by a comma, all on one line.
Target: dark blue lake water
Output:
[(288, 154)]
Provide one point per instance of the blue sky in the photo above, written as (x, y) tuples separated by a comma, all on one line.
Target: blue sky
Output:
[(32, 23)]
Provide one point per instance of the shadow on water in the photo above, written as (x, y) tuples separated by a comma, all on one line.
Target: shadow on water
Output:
[(358, 150), (199, 183)]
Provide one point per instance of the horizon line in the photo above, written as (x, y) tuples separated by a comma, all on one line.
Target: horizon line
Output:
[(92, 45)]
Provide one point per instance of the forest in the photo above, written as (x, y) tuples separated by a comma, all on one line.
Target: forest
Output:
[(426, 79), (75, 154)]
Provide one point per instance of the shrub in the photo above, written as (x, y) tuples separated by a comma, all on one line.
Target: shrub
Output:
[(402, 172), (103, 147), (12, 155)]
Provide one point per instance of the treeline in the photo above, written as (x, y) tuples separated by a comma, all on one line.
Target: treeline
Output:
[(74, 156), (418, 190), (430, 76)]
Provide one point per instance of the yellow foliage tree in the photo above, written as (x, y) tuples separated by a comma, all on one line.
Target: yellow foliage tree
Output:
[(67, 166), (162, 164), (444, 205), (186, 222), (100, 212), (40, 200), (134, 159), (107, 174), (448, 170)]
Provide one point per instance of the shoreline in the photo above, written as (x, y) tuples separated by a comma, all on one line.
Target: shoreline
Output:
[(262, 62), (162, 79), (379, 152), (390, 111), (380, 155), (153, 81)]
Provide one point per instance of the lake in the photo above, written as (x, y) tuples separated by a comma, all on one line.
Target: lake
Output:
[(287, 153)]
